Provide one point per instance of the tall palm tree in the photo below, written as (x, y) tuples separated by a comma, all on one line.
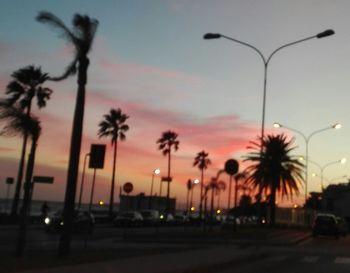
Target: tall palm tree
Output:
[(113, 126), (241, 176), (167, 142), (273, 169), (23, 124), (81, 37), (201, 161), (26, 85), (220, 188)]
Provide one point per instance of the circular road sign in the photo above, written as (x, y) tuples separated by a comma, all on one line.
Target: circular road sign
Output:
[(128, 187), (231, 166)]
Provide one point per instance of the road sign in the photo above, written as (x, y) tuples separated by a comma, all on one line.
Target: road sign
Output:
[(128, 187), (167, 179), (9, 180), (97, 156), (43, 179), (231, 166)]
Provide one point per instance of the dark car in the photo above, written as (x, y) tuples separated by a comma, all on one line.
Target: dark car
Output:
[(83, 221), (128, 219), (326, 225), (342, 226)]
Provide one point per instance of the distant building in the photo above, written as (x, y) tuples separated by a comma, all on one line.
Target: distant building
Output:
[(336, 199), (143, 202)]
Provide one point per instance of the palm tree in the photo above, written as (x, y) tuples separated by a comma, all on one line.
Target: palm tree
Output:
[(167, 142), (202, 161), (273, 169), (21, 123), (26, 85), (113, 126), (221, 187), (241, 176), (81, 37)]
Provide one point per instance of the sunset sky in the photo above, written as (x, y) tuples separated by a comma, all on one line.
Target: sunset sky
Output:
[(149, 59)]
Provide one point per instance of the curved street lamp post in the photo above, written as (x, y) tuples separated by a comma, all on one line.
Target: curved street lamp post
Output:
[(307, 140), (266, 61)]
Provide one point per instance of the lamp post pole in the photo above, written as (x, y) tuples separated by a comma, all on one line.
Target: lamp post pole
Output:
[(155, 172), (307, 140), (82, 181), (266, 61)]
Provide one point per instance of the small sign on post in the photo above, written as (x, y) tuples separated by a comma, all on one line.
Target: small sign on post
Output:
[(43, 179), (9, 180)]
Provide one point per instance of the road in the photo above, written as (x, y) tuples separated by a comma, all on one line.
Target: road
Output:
[(321, 255)]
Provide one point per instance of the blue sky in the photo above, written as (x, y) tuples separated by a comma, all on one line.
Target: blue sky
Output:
[(149, 59)]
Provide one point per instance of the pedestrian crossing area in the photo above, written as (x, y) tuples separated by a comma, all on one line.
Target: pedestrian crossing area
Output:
[(311, 259)]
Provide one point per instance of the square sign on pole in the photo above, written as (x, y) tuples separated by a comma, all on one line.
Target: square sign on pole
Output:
[(97, 156), (43, 179)]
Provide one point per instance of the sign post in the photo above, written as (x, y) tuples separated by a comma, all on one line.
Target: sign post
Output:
[(9, 182)]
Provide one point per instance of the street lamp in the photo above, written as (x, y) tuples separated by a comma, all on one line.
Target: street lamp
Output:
[(194, 183), (341, 161), (266, 61), (307, 140), (155, 172)]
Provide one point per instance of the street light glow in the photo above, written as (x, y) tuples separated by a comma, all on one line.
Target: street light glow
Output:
[(343, 160), (337, 126), (196, 181), (157, 171), (277, 125)]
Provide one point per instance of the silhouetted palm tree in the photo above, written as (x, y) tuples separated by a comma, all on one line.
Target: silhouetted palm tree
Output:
[(274, 169), (113, 126), (23, 124), (221, 187), (81, 37), (202, 161), (26, 85), (241, 176), (167, 142)]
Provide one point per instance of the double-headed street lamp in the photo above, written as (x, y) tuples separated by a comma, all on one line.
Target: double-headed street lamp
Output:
[(307, 140), (266, 61), (341, 161)]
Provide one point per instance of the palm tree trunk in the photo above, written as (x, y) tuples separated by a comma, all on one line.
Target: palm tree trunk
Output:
[(20, 169), (229, 193), (273, 206), (168, 190), (74, 154), (211, 210), (236, 191), (201, 196), (111, 198), (26, 201), (16, 197)]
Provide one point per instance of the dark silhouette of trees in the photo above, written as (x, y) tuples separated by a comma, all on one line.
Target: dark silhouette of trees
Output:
[(166, 143), (221, 187), (241, 176), (113, 126), (81, 37), (202, 162), (26, 85), (273, 169), (20, 123)]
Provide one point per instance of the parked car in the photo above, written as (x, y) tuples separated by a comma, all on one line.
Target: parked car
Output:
[(150, 217), (128, 219), (326, 224), (342, 226), (166, 218), (83, 221)]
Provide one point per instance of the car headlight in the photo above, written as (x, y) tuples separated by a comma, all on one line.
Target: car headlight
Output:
[(47, 220)]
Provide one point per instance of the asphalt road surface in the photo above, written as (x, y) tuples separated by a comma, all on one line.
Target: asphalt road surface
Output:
[(319, 255)]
